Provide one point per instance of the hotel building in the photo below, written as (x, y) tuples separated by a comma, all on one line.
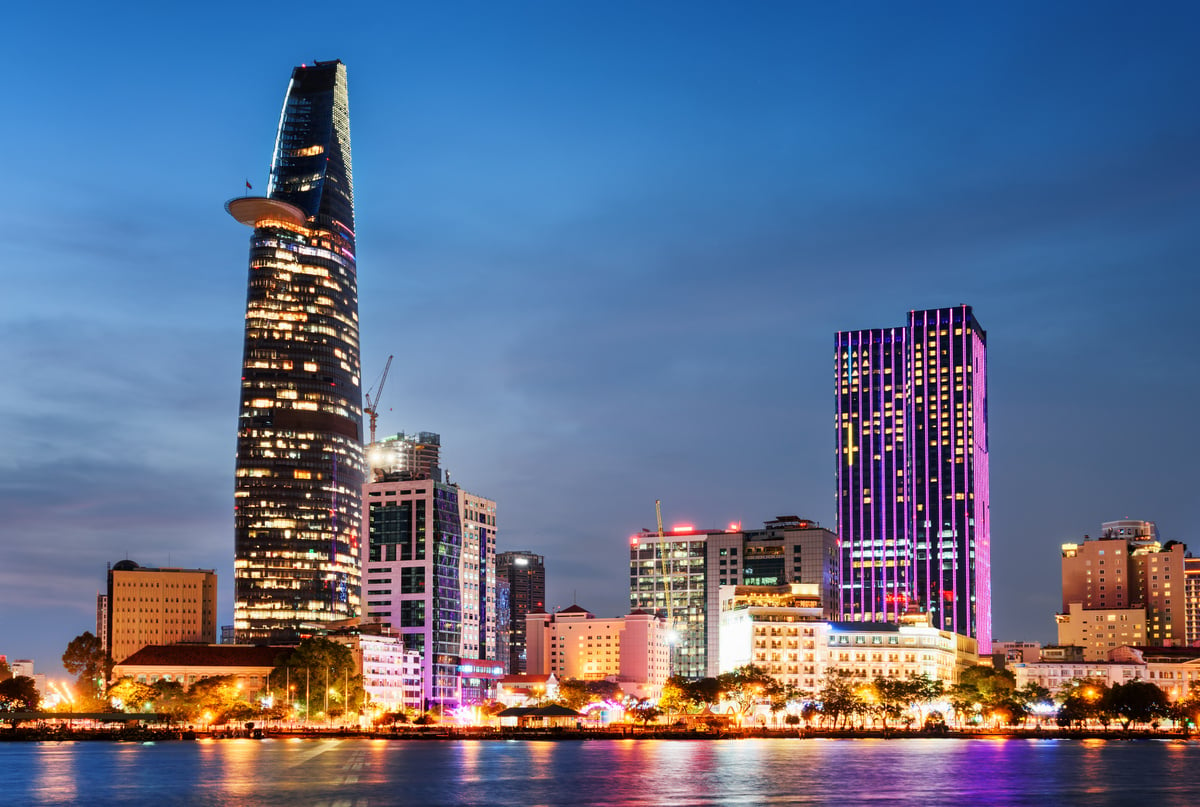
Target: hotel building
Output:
[(911, 453), (1123, 588), (299, 474), (780, 629)]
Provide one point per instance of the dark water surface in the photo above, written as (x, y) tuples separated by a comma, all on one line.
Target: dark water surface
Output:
[(368, 773)]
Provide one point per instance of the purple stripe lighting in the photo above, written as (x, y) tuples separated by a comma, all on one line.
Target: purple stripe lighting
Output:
[(912, 471)]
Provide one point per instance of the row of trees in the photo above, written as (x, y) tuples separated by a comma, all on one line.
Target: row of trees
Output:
[(18, 693), (315, 681), (983, 695)]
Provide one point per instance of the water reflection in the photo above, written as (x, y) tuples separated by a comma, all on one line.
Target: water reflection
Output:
[(364, 773), (54, 771)]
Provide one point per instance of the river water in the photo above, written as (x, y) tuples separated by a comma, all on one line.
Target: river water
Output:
[(369, 773)]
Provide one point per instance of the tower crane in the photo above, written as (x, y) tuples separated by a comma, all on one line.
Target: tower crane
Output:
[(372, 407), (672, 633)]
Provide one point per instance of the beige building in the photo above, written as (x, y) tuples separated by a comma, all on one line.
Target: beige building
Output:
[(1099, 631), (776, 628), (1160, 578), (250, 665), (1053, 675), (897, 650), (632, 650), (1018, 652), (1174, 670), (780, 630), (149, 606), (1123, 570)]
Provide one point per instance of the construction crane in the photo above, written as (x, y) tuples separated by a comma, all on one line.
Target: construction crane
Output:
[(372, 407), (673, 638)]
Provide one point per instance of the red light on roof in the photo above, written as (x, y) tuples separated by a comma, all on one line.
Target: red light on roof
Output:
[(633, 540), (683, 528)]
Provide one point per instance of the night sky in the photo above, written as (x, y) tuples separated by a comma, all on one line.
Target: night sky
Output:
[(609, 245)]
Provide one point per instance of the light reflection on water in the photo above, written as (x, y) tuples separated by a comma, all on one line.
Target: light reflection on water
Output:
[(625, 773)]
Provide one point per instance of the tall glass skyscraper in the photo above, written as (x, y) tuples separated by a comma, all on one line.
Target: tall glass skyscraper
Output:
[(912, 472), (300, 470)]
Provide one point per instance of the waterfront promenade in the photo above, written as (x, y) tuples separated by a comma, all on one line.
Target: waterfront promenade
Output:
[(68, 731)]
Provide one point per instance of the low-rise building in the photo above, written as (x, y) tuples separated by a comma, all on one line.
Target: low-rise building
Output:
[(1054, 675), (1174, 670), (1018, 652), (478, 679), (391, 673), (526, 690), (1101, 630), (779, 629), (897, 649), (250, 665), (633, 650)]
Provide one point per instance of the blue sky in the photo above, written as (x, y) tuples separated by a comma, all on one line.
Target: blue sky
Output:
[(609, 245)]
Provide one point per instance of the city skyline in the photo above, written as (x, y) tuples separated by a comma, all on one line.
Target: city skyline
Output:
[(608, 257)]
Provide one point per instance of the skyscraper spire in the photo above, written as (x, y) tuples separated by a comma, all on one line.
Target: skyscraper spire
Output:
[(300, 467)]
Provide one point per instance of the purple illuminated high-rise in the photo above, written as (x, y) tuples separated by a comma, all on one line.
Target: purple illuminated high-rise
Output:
[(912, 471)]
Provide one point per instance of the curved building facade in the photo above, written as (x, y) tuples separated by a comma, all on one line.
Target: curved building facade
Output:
[(300, 468)]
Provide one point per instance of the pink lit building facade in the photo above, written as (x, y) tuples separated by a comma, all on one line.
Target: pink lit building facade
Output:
[(912, 472)]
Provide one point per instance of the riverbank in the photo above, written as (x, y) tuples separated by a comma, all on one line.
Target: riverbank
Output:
[(142, 734)]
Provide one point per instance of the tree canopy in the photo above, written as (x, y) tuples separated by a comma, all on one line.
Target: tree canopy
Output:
[(85, 659), (19, 694), (318, 668)]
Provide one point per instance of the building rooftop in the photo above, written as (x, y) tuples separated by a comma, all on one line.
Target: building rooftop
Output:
[(208, 655)]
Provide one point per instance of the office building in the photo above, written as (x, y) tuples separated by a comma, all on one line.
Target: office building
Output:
[(477, 576), (523, 576), (912, 472), (678, 576), (149, 606), (430, 573), (300, 469)]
